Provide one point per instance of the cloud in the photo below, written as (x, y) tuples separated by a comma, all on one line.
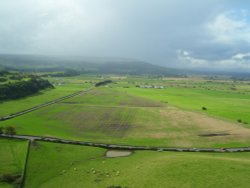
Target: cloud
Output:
[(237, 62), (153, 31), (230, 27), (242, 56)]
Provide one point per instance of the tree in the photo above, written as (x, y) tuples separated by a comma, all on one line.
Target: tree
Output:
[(10, 130), (1, 130)]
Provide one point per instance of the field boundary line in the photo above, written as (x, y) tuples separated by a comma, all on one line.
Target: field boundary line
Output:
[(125, 147), (25, 165), (43, 105)]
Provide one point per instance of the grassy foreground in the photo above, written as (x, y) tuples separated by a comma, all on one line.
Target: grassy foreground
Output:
[(56, 165), (12, 159)]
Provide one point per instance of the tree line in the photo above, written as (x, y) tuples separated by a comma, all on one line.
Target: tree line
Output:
[(23, 88), (103, 83)]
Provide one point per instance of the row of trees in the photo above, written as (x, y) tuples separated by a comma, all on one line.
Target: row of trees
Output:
[(103, 83), (23, 88)]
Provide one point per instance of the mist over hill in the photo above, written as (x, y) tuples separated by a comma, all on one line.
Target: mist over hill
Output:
[(102, 65), (39, 63)]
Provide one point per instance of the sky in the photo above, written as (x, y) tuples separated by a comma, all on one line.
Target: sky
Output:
[(196, 34)]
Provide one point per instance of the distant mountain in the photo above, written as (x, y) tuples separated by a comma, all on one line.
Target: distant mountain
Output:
[(39, 63)]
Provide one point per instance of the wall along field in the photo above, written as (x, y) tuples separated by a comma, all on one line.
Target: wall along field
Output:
[(122, 113)]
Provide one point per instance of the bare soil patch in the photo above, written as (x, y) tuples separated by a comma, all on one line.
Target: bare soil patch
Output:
[(118, 153)]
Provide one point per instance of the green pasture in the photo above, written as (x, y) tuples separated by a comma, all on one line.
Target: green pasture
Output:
[(225, 104), (13, 106), (57, 165), (12, 158), (121, 113), (108, 115)]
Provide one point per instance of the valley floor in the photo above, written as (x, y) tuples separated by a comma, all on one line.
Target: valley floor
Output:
[(183, 113)]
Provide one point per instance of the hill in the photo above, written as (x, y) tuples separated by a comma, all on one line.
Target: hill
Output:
[(38, 63)]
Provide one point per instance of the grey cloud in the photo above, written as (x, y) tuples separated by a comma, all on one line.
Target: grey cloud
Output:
[(148, 30)]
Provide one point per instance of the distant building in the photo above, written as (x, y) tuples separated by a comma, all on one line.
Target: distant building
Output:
[(150, 86)]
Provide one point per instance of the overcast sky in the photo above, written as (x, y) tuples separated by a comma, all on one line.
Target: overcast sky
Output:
[(180, 33)]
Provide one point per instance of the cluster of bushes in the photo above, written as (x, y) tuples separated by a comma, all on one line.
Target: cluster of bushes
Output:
[(240, 121), (11, 179), (23, 88), (103, 83), (8, 130), (2, 79), (66, 73)]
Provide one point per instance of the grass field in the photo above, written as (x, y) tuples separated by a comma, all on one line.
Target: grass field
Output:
[(121, 113), (56, 165), (13, 106), (231, 106), (226, 99), (111, 116), (12, 158)]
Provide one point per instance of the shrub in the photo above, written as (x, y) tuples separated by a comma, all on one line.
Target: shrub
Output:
[(204, 108), (1, 130), (9, 178), (10, 130), (103, 83), (239, 120)]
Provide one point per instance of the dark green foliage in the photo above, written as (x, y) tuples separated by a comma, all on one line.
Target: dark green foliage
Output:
[(204, 108), (66, 73), (10, 130), (239, 120), (23, 88), (103, 83), (3, 73), (3, 79), (10, 178), (1, 130)]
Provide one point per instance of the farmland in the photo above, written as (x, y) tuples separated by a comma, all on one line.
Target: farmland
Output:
[(88, 167), (12, 159), (13, 106), (118, 114), (140, 111)]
